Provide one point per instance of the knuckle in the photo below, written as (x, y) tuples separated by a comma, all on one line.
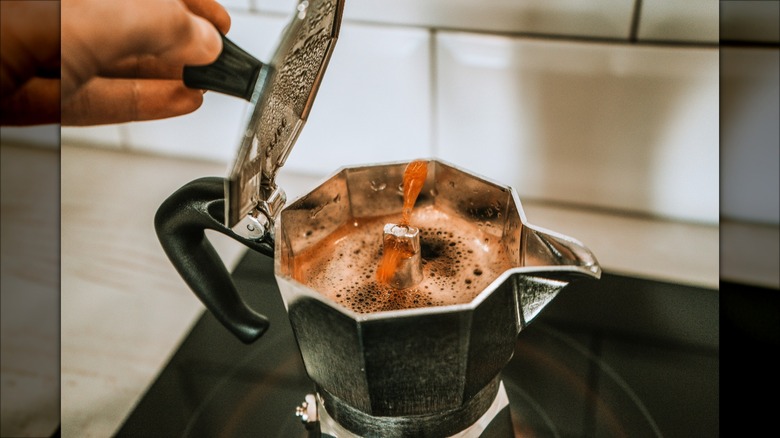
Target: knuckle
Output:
[(177, 21)]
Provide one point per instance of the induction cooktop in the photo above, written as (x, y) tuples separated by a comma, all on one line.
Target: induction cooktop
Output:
[(617, 357)]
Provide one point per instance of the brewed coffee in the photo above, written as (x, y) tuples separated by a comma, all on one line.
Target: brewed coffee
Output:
[(459, 261)]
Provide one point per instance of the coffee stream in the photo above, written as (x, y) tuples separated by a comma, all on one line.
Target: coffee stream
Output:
[(459, 260), (414, 178), (398, 249)]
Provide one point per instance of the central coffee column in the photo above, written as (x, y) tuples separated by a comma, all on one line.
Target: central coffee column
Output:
[(401, 246)]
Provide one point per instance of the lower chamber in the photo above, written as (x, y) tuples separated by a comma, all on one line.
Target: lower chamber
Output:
[(486, 415)]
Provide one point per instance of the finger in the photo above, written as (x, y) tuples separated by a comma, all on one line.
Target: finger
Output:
[(212, 11), (30, 41), (104, 100), (36, 102), (150, 66), (172, 33)]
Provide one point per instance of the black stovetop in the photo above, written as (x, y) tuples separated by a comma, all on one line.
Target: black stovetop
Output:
[(616, 357)]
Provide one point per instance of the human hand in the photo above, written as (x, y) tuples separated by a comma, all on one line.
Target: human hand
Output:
[(120, 61)]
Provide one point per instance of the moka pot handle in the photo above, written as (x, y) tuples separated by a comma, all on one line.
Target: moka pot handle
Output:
[(180, 224)]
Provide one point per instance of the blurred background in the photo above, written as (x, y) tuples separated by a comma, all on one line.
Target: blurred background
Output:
[(660, 111)]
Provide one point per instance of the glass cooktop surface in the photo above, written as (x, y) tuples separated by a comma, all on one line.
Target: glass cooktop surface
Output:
[(617, 357)]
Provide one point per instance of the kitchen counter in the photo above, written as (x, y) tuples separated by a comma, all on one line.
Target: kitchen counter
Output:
[(124, 309)]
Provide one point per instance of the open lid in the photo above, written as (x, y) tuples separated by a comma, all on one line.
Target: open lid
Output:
[(281, 94)]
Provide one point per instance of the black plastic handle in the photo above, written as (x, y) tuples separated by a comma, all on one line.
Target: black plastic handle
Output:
[(180, 224), (235, 72)]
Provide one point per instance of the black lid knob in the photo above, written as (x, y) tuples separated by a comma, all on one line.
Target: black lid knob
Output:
[(234, 72)]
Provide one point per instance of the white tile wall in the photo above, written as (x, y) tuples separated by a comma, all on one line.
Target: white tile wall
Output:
[(750, 102), (277, 6), (594, 18), (236, 5), (612, 125), (374, 104), (673, 20), (624, 127)]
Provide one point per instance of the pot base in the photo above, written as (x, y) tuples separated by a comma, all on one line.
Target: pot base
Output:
[(495, 422)]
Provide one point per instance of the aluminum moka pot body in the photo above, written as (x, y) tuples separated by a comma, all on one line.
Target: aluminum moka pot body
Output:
[(426, 371), (419, 362)]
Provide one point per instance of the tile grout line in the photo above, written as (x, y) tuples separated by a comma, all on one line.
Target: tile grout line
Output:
[(433, 93), (633, 31)]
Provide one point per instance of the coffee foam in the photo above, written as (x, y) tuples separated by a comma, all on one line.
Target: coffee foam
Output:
[(459, 261)]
